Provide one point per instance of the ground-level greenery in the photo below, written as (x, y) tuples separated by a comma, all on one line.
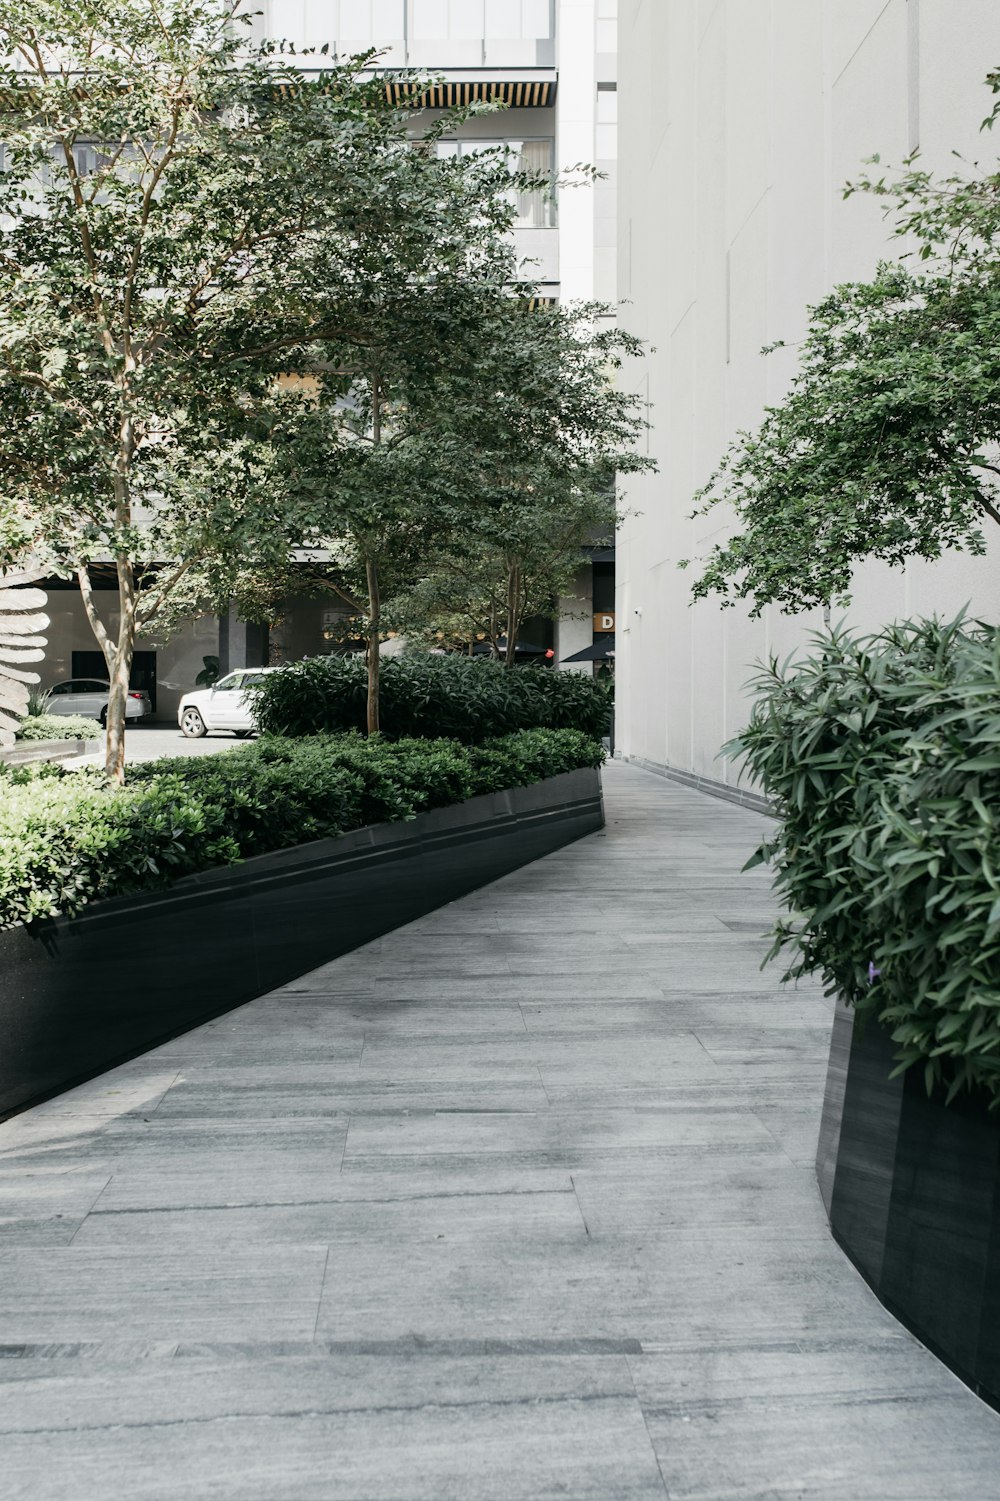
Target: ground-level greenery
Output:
[(69, 838)]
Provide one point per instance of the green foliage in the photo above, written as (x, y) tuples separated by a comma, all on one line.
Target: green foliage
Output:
[(198, 235), (69, 838), (39, 700), (884, 445), (58, 727), (468, 699), (882, 756)]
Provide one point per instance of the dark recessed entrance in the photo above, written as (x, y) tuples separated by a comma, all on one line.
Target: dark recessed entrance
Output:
[(91, 664)]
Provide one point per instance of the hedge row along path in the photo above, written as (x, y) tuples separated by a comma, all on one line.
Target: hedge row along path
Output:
[(519, 1202)]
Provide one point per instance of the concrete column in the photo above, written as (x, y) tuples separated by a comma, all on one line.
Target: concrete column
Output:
[(242, 643), (575, 625)]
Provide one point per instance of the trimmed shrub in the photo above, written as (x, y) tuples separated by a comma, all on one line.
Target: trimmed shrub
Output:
[(69, 838), (464, 698), (58, 727), (882, 757)]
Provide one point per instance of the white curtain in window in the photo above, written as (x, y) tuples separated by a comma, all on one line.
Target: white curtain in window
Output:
[(534, 209)]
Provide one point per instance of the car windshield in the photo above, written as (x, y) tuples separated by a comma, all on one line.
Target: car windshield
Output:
[(231, 681)]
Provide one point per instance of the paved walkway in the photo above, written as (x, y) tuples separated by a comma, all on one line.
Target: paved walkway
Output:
[(516, 1203)]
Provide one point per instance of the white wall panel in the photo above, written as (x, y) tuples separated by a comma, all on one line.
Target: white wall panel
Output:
[(740, 120)]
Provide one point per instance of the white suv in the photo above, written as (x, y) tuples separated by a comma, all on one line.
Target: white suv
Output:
[(225, 706)]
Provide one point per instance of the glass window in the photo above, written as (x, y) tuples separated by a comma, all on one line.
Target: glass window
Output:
[(535, 210), (231, 680)]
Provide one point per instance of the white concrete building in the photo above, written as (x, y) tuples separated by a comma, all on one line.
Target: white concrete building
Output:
[(740, 122)]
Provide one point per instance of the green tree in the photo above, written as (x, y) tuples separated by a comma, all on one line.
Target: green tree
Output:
[(168, 196), (415, 305), (538, 435), (885, 445)]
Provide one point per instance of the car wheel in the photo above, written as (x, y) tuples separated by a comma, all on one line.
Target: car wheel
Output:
[(104, 719), (192, 724)]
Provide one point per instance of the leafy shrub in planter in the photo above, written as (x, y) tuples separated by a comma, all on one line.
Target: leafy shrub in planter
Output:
[(882, 756), (69, 838), (58, 727), (467, 699)]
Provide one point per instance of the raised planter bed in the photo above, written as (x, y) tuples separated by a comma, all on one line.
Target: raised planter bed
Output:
[(912, 1187), (23, 751), (80, 995)]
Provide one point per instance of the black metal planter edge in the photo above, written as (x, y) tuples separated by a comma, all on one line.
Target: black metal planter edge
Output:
[(215, 941), (912, 1191)]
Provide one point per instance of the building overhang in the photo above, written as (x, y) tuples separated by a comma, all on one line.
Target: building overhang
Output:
[(518, 88)]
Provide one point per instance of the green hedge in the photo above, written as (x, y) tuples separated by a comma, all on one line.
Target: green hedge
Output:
[(465, 698), (882, 757), (68, 838), (58, 727)]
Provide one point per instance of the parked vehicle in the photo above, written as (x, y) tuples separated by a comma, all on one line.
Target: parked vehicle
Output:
[(89, 697), (224, 706)]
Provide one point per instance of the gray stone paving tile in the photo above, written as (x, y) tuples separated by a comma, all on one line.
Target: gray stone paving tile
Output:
[(714, 1191), (134, 1088), (410, 1429), (38, 1209), (738, 1426), (554, 1137), (742, 1283), (476, 1217), (182, 1185), (85, 1292)]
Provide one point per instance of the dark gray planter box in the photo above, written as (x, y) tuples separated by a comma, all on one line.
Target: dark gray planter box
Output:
[(23, 751), (912, 1188), (82, 994)]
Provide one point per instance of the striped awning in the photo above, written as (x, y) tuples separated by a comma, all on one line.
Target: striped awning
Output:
[(517, 93)]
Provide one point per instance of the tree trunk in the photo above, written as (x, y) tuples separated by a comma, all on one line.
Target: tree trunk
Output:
[(120, 672), (373, 658), (371, 574), (513, 610)]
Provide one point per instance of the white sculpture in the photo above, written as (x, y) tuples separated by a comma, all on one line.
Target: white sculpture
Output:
[(21, 622)]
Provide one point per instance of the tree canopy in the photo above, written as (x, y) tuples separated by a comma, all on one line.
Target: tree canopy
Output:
[(188, 223)]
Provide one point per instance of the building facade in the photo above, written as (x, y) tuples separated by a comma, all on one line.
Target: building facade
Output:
[(552, 64), (741, 120)]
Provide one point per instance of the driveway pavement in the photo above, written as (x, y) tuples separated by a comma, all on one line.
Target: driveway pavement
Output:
[(149, 742), (515, 1203)]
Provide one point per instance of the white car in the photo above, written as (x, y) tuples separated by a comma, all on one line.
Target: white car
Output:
[(225, 706), (89, 697)]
